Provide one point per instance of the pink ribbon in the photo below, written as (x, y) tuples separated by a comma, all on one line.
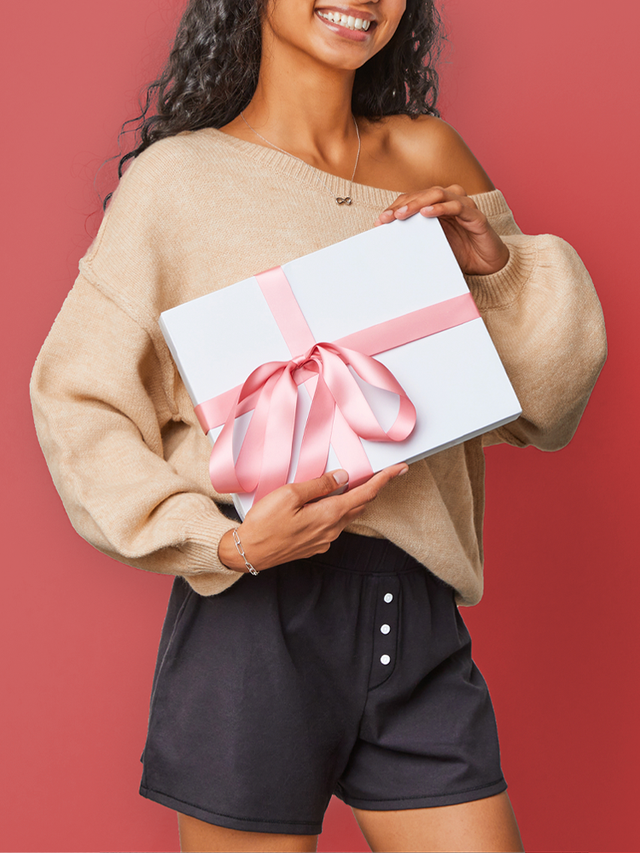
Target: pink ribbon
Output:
[(340, 414)]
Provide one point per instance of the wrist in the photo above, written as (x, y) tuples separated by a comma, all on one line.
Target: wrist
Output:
[(228, 553)]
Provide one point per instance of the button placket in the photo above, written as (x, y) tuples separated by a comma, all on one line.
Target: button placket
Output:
[(385, 642)]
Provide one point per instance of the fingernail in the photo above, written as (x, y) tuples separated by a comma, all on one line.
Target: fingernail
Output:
[(428, 209), (404, 471), (341, 477), (402, 210)]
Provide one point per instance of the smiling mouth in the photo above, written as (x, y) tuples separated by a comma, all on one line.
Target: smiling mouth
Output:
[(349, 22)]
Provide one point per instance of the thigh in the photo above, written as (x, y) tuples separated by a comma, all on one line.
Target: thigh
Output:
[(196, 836), (481, 825)]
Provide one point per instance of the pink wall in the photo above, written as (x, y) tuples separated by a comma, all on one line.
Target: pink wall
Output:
[(546, 95)]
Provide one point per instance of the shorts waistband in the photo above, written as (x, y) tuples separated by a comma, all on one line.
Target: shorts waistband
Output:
[(367, 555)]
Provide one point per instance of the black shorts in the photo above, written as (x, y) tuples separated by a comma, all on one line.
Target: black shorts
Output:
[(349, 673)]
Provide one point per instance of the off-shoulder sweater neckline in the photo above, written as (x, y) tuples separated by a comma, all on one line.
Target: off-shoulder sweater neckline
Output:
[(491, 202)]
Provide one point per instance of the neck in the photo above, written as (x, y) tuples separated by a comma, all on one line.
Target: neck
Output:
[(305, 108)]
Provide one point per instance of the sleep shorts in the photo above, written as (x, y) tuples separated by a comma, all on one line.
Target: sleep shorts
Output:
[(348, 673)]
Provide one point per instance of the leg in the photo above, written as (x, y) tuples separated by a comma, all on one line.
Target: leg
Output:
[(481, 825), (196, 836)]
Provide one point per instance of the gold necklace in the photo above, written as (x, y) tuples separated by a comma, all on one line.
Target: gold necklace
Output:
[(339, 199)]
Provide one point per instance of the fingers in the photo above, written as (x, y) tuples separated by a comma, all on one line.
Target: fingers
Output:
[(339, 511), (321, 486), (464, 210), (289, 523), (360, 496), (428, 202)]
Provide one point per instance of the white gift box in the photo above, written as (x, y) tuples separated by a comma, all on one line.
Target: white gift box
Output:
[(454, 378)]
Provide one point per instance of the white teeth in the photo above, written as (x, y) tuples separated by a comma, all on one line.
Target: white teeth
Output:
[(348, 21)]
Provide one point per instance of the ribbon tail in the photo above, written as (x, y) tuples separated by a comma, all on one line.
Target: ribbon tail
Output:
[(326, 426), (251, 455), (350, 452), (221, 465), (278, 436), (223, 469), (316, 440)]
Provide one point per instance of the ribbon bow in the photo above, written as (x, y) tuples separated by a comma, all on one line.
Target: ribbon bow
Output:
[(272, 389), (340, 414)]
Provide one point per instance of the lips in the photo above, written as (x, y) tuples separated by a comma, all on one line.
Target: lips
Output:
[(349, 22)]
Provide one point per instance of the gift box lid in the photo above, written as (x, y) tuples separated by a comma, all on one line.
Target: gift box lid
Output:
[(454, 378)]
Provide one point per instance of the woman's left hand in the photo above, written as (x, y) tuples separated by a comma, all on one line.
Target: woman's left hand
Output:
[(477, 247)]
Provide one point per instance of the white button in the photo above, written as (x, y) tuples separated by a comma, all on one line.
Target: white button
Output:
[(388, 598), (385, 659), (385, 628)]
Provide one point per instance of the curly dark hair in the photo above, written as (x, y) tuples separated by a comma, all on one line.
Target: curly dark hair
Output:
[(213, 67)]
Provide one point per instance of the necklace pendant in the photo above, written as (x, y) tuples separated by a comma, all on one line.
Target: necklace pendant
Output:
[(346, 200)]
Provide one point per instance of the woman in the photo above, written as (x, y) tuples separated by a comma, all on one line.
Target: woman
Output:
[(298, 659)]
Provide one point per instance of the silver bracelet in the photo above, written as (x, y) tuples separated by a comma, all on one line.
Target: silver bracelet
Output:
[(240, 550)]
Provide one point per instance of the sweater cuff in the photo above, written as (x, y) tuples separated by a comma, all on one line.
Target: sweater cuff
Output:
[(502, 288), (205, 573)]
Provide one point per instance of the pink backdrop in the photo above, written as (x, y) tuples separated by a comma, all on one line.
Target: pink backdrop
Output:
[(545, 94)]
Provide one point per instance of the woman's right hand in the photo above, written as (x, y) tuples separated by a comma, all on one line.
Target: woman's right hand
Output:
[(289, 524)]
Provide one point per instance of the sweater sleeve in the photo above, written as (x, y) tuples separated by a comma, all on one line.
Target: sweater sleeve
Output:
[(545, 319), (101, 416)]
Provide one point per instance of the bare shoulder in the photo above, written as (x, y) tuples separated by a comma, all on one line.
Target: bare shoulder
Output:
[(432, 153)]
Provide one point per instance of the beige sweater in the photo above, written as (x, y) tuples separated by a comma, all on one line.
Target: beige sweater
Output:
[(198, 212)]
